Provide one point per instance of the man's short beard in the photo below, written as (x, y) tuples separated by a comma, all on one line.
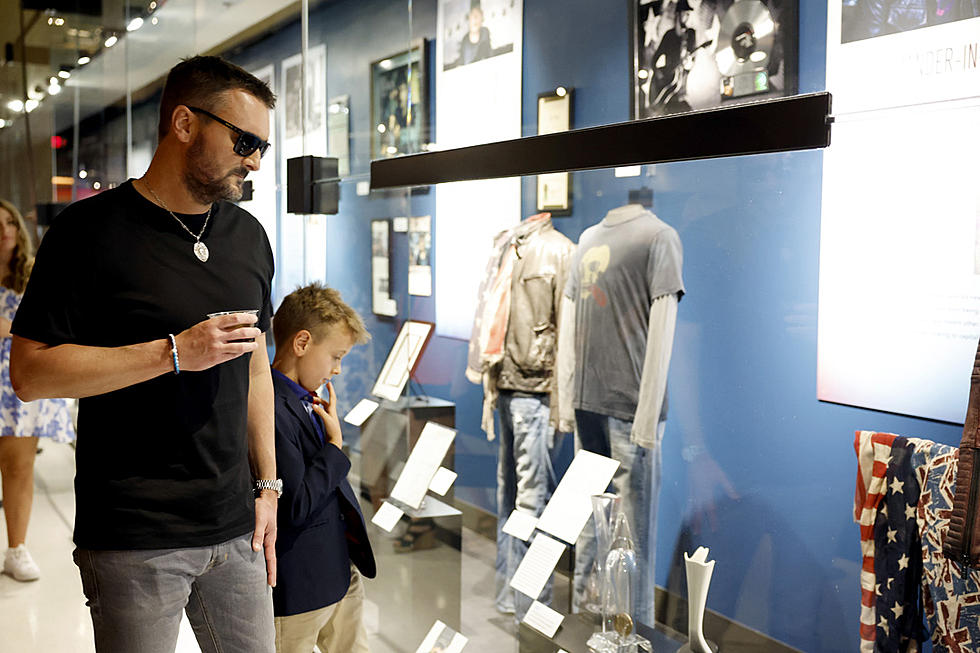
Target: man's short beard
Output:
[(204, 183)]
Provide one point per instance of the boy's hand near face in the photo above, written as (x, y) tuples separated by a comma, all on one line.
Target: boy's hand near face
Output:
[(331, 423)]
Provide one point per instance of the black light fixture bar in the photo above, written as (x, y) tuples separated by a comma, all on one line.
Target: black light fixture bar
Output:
[(801, 122)]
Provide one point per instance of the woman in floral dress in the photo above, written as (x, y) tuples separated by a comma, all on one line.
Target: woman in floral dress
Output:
[(21, 424)]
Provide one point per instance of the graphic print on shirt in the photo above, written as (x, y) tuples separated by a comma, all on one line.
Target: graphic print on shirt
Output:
[(594, 264)]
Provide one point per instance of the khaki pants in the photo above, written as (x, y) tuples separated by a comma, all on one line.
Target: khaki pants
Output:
[(337, 628)]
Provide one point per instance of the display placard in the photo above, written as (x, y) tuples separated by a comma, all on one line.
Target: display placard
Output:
[(555, 115)]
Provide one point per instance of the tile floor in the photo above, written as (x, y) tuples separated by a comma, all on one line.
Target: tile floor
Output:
[(50, 615)]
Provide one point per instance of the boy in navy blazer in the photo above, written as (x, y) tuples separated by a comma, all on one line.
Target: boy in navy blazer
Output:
[(322, 548)]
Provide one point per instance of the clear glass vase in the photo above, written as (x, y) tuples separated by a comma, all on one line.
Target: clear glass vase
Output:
[(605, 507), (618, 634)]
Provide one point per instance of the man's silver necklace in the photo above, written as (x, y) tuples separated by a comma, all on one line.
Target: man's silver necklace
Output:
[(200, 249)]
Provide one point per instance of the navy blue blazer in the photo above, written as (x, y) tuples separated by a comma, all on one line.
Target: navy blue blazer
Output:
[(320, 526)]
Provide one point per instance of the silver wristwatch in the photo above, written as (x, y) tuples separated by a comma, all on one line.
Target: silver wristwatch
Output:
[(265, 484)]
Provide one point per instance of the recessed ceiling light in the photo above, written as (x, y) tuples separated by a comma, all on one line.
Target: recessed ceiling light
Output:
[(135, 24), (83, 60), (111, 41), (54, 89), (30, 105), (59, 21), (16, 106), (64, 74), (154, 20)]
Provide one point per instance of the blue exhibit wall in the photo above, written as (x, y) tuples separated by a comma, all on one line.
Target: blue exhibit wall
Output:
[(772, 497)]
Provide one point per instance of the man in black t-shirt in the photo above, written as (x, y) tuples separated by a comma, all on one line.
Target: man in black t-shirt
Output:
[(175, 489)]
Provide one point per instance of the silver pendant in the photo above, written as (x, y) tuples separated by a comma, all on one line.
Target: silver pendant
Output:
[(201, 251)]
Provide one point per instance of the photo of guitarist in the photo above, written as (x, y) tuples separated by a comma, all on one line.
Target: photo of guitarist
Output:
[(672, 63)]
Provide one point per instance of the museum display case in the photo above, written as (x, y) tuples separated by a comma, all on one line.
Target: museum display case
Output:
[(679, 251)]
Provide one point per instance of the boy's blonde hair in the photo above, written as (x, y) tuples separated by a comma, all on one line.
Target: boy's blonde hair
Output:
[(315, 308)]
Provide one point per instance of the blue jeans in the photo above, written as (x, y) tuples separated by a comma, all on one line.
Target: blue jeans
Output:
[(525, 481), (136, 598), (637, 481)]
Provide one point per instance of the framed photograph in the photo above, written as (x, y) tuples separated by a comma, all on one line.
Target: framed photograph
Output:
[(477, 30), (689, 55), (420, 256), (402, 359), (338, 133), (381, 301), (555, 115), (399, 103)]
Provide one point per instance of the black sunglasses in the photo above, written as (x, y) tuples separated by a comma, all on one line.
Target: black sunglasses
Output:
[(247, 141)]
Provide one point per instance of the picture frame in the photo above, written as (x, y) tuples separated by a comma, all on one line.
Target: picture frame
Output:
[(338, 132), (403, 358), (381, 300), (554, 191), (400, 102), (720, 53)]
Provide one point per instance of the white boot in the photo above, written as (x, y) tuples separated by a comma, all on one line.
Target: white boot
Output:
[(19, 564)]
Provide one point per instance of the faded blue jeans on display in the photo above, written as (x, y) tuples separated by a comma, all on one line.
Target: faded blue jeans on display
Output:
[(525, 481), (136, 598), (637, 481)]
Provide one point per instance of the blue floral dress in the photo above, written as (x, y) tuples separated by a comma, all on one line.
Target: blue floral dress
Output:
[(45, 418)]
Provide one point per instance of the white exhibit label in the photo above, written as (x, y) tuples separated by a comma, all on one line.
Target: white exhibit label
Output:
[(442, 481), (387, 516), (570, 506), (399, 225), (520, 525), (629, 171), (543, 619), (359, 413), (537, 566), (422, 464)]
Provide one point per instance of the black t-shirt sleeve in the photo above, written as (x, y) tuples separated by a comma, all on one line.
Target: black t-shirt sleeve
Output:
[(265, 314), (48, 311)]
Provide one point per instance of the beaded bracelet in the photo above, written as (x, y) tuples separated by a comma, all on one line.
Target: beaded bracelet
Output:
[(173, 351)]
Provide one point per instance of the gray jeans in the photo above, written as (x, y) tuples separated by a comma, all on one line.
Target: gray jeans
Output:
[(136, 598)]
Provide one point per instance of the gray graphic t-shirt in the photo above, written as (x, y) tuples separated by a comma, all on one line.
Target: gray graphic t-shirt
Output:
[(621, 265)]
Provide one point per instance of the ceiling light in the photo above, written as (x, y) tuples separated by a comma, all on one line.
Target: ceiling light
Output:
[(59, 21), (153, 5), (64, 74), (134, 24), (111, 41), (386, 64), (82, 174), (54, 89), (30, 105), (50, 20), (52, 80), (96, 185), (154, 20), (16, 106), (83, 60), (561, 92)]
